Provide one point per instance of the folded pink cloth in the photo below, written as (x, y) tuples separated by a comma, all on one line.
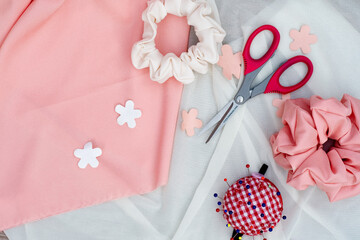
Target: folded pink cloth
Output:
[(79, 125), (320, 144)]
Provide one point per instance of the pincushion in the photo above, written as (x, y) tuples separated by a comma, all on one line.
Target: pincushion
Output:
[(252, 205)]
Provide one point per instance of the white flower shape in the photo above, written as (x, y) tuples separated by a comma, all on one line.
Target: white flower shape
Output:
[(127, 114), (88, 155)]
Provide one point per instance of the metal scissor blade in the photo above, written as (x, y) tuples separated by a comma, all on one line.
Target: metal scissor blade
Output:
[(233, 106), (215, 119)]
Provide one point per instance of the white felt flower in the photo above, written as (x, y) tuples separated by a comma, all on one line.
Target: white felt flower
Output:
[(88, 155), (127, 114)]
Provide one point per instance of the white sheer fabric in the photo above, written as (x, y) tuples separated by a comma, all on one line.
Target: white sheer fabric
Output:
[(185, 208)]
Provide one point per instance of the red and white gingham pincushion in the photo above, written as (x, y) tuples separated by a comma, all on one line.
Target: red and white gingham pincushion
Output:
[(253, 205)]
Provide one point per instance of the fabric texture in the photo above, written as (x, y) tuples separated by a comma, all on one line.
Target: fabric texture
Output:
[(209, 32), (184, 209), (64, 66), (320, 145)]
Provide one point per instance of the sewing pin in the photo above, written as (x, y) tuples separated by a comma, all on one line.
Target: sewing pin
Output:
[(225, 180)]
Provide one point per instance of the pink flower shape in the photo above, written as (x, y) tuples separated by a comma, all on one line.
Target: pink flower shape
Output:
[(279, 103), (190, 122), (230, 63), (302, 39), (320, 145)]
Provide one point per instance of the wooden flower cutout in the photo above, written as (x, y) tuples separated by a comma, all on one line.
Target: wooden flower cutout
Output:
[(230, 63), (190, 122), (302, 39), (279, 103)]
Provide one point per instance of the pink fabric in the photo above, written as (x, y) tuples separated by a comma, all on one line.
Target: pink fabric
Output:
[(300, 146), (64, 66)]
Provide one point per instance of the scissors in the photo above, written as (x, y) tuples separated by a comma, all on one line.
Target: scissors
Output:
[(270, 84)]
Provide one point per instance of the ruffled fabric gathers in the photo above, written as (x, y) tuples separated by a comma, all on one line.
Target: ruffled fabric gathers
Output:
[(320, 144), (209, 32)]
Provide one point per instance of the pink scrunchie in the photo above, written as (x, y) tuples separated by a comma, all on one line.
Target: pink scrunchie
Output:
[(320, 144)]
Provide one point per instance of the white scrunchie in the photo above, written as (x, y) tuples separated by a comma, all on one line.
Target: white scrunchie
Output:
[(209, 32)]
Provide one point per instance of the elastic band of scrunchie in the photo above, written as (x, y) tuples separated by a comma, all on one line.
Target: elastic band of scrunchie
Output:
[(209, 32)]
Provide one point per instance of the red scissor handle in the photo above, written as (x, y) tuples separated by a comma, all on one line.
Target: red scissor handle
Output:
[(253, 64), (274, 82)]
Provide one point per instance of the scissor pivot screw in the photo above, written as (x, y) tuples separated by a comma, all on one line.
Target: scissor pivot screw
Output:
[(240, 99)]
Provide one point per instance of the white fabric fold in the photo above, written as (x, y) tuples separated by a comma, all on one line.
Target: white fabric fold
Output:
[(210, 34)]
